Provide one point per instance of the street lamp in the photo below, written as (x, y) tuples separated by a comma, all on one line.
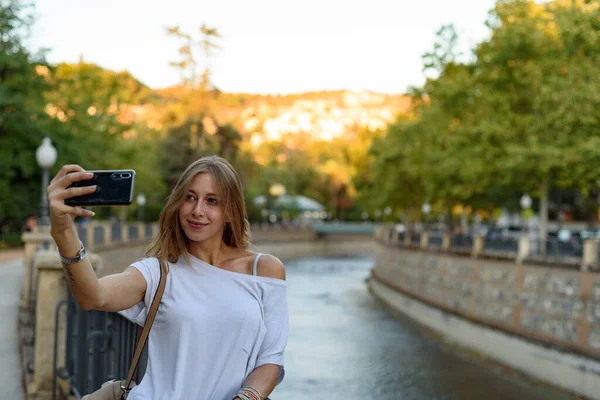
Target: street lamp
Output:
[(141, 201), (525, 203), (426, 208), (45, 156), (387, 211), (377, 215)]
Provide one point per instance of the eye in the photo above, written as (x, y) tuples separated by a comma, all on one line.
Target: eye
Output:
[(190, 197), (212, 201)]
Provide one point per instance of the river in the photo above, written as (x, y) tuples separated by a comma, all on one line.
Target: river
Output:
[(344, 344)]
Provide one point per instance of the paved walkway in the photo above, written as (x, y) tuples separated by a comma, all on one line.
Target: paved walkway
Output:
[(11, 277)]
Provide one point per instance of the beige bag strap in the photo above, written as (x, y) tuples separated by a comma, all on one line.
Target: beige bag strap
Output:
[(143, 336)]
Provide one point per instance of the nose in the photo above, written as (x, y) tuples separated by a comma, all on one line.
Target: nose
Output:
[(198, 210)]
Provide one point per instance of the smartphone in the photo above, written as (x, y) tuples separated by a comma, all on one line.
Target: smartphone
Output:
[(114, 188)]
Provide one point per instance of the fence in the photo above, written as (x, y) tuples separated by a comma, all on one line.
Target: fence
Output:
[(571, 253), (99, 347)]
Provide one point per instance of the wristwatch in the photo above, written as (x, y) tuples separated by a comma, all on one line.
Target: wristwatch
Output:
[(72, 260)]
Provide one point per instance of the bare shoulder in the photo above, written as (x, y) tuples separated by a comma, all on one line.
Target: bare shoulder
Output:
[(271, 267)]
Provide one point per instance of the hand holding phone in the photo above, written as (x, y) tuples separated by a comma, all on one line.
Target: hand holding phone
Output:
[(113, 188)]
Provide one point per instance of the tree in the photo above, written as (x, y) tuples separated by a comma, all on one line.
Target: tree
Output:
[(521, 116), (540, 63), (23, 121), (188, 64)]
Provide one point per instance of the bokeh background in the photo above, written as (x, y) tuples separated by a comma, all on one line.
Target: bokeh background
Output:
[(451, 114)]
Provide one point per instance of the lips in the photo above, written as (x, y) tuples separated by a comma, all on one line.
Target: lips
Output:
[(197, 225)]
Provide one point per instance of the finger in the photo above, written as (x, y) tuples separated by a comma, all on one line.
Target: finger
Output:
[(65, 170), (75, 211), (70, 178), (75, 191)]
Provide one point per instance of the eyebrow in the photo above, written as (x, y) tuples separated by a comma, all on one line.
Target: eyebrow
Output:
[(208, 194)]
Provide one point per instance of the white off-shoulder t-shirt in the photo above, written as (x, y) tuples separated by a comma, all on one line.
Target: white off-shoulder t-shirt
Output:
[(212, 329)]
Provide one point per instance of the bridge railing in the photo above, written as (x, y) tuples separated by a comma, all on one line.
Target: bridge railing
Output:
[(69, 351), (584, 255)]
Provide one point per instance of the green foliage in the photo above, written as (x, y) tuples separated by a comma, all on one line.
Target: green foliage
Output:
[(23, 122), (81, 107), (522, 114)]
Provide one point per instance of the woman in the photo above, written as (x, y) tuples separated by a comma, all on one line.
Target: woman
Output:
[(222, 325)]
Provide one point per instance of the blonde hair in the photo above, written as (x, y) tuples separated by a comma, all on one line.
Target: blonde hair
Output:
[(171, 241)]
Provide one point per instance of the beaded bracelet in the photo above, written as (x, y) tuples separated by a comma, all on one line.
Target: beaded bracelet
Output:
[(245, 395), (254, 391), (248, 393)]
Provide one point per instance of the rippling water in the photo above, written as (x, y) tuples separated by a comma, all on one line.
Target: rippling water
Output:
[(344, 345)]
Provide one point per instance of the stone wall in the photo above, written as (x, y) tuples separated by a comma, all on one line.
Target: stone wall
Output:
[(549, 312), (558, 306)]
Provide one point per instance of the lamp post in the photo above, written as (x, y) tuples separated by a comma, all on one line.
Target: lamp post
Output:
[(525, 203), (426, 208), (141, 202), (387, 211), (275, 190), (45, 156)]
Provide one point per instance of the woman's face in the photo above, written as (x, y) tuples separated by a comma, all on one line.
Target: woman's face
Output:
[(201, 214)]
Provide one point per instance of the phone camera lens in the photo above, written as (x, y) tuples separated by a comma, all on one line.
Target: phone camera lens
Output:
[(125, 176)]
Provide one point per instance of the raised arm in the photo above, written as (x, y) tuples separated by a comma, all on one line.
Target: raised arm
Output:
[(112, 293)]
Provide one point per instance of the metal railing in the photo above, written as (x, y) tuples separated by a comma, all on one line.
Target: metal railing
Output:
[(415, 238), (461, 241), (508, 245), (113, 232), (564, 249), (435, 239), (99, 347)]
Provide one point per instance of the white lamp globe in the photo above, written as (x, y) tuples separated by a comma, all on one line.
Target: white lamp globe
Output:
[(426, 208), (45, 154), (141, 199), (525, 201)]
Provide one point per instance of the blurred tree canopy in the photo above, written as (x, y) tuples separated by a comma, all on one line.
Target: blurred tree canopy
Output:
[(81, 107), (521, 116)]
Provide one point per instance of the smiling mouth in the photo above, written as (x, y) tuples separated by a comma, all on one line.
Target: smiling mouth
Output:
[(197, 225)]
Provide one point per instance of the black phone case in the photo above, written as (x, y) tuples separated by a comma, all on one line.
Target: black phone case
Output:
[(115, 188)]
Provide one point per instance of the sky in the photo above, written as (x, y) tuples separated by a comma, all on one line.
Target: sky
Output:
[(268, 46)]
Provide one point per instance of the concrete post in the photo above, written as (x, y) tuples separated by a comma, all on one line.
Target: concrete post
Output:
[(89, 235), (446, 241), (155, 230), (478, 245), (524, 248), (125, 233), (590, 254), (33, 241), (52, 291), (141, 231), (424, 240), (407, 238), (107, 230), (378, 230)]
